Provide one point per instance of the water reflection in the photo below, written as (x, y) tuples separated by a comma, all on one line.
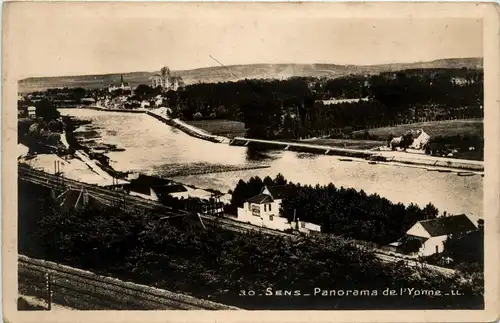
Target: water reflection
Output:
[(259, 154)]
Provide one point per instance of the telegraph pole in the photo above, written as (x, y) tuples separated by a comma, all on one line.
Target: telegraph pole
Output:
[(48, 284)]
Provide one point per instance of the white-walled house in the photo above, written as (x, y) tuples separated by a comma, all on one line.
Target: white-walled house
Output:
[(264, 210), (32, 112), (433, 233)]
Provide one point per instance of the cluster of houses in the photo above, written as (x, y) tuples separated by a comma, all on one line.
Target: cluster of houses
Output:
[(119, 95), (159, 189)]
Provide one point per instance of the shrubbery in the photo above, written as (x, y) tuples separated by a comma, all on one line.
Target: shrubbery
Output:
[(218, 264)]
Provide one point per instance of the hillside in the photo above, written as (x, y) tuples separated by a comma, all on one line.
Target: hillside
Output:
[(445, 128), (238, 72)]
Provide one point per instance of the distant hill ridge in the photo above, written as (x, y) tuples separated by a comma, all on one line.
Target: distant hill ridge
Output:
[(238, 72)]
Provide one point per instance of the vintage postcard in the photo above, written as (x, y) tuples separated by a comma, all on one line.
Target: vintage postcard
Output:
[(250, 162)]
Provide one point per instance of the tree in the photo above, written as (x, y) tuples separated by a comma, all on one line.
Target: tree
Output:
[(145, 92), (46, 110), (268, 181), (280, 180), (466, 248), (430, 211), (411, 245)]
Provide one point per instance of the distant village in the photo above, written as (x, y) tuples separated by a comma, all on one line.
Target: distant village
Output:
[(119, 95)]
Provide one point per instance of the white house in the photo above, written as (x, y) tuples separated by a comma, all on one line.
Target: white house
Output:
[(421, 140), (264, 210), (32, 112), (433, 233)]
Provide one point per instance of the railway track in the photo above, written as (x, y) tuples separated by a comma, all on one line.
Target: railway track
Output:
[(77, 288), (165, 212)]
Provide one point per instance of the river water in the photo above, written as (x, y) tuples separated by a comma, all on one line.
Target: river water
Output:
[(154, 148)]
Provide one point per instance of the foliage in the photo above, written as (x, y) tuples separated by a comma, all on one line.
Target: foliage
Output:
[(341, 211), (466, 249), (145, 92), (46, 110), (411, 244), (293, 108)]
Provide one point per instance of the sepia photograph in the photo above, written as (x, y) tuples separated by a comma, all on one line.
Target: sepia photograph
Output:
[(193, 157)]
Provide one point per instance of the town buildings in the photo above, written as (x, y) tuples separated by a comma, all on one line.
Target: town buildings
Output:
[(120, 87), (166, 80)]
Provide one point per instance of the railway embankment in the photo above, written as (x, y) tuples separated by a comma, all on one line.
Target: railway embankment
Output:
[(81, 289)]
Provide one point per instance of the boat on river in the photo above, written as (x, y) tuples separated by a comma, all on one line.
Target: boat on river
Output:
[(465, 174)]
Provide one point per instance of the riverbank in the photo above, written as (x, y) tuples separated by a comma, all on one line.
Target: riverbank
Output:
[(315, 148), (113, 110), (188, 129), (382, 157)]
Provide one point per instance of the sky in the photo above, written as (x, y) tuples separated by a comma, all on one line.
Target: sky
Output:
[(63, 39)]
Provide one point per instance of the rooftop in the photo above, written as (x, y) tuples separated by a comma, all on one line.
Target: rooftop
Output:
[(448, 225), (278, 191), (260, 199)]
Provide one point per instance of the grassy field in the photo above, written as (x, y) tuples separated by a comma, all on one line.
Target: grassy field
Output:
[(434, 128), (345, 143), (226, 128)]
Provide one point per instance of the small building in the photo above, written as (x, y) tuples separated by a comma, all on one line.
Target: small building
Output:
[(32, 112), (154, 188), (432, 234), (307, 227), (264, 208)]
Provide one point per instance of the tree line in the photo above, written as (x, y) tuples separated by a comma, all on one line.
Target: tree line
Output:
[(294, 108), (341, 211)]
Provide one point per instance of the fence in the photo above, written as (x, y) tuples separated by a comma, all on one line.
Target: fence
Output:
[(84, 290)]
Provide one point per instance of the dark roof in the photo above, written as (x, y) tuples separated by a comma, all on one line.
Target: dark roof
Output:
[(144, 183), (279, 191), (260, 199), (446, 225), (169, 189), (150, 181)]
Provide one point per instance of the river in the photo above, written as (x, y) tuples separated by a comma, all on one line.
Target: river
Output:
[(154, 148)]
